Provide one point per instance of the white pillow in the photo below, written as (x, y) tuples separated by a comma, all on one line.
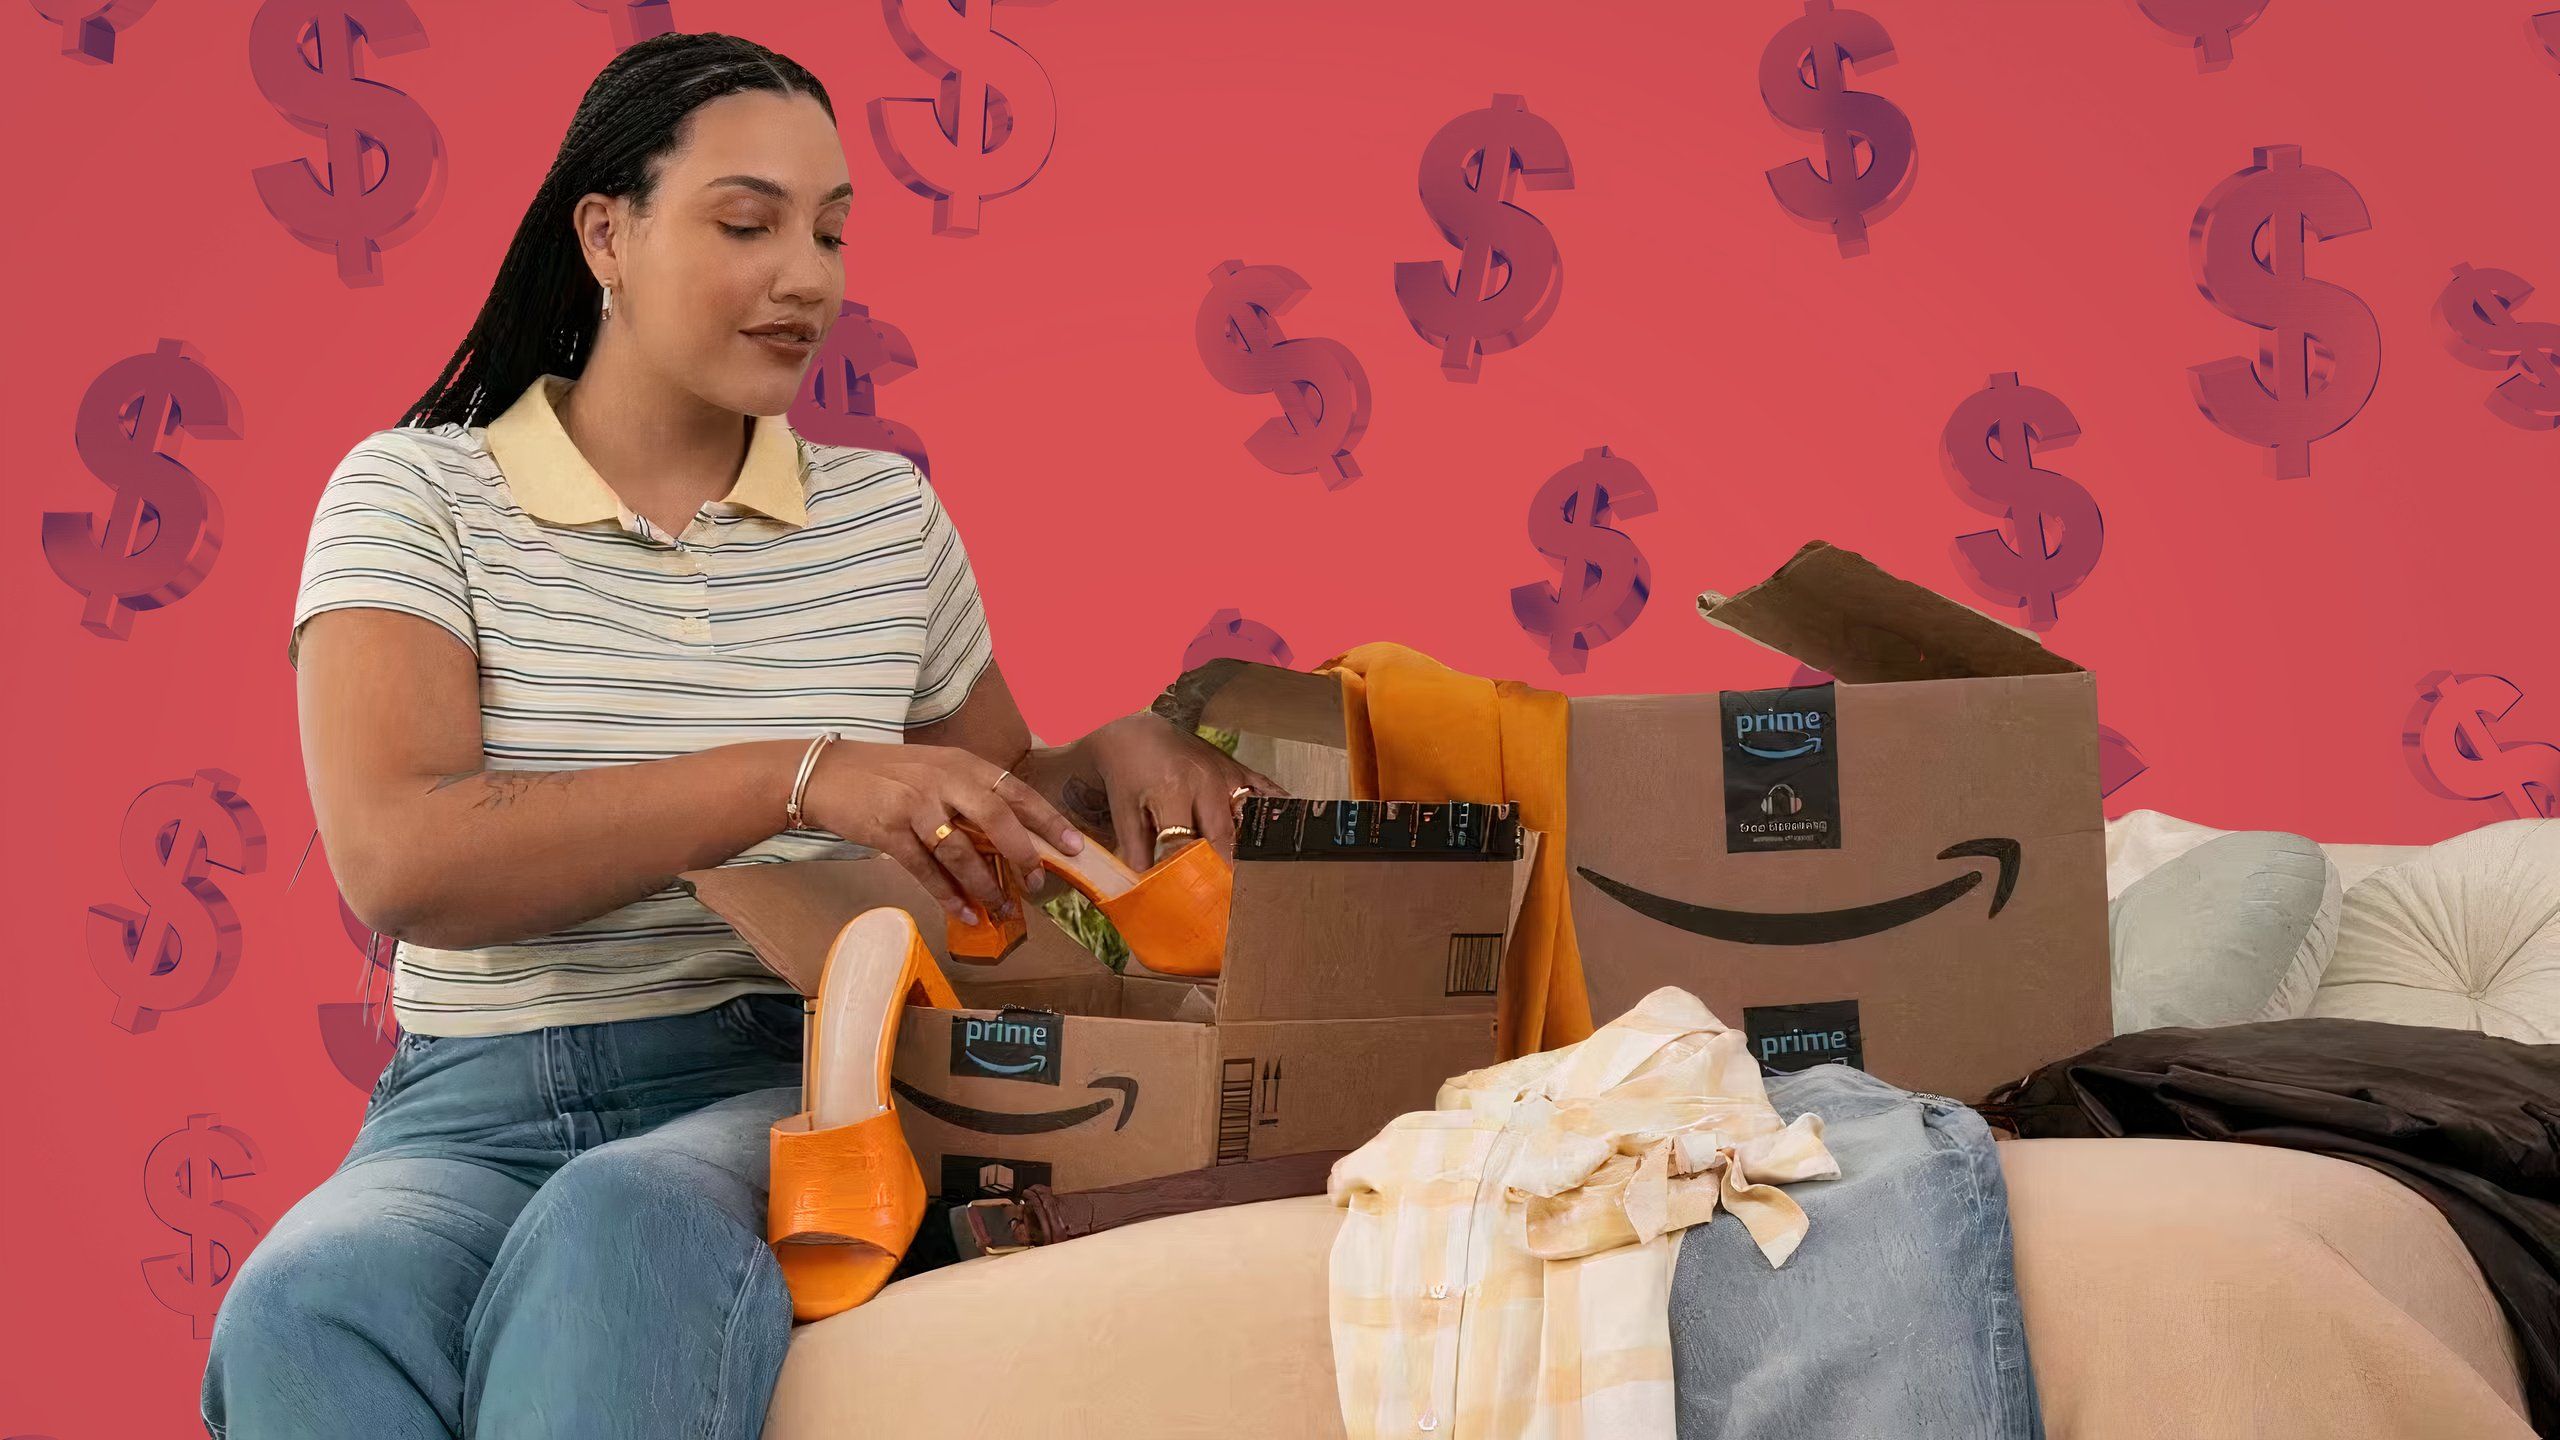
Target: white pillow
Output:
[(2466, 935), (2232, 930), (2141, 841)]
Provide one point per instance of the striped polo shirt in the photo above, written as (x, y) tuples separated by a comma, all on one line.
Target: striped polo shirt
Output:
[(826, 590)]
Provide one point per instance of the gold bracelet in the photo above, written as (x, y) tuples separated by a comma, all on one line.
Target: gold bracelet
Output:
[(800, 782)]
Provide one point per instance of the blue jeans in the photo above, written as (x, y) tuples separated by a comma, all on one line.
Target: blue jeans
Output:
[(1899, 1315), (558, 1232)]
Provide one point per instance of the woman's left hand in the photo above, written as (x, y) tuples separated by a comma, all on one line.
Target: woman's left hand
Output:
[(1158, 776)]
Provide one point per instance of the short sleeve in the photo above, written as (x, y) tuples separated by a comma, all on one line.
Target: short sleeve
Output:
[(957, 647), (384, 537)]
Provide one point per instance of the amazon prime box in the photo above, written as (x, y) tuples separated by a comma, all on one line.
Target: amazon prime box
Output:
[(1350, 989), (1902, 867)]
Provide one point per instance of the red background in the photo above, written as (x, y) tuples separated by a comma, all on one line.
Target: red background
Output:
[(2260, 641)]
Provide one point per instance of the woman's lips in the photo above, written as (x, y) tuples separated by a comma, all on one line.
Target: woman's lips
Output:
[(784, 345)]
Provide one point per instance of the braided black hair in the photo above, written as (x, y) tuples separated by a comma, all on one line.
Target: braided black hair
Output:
[(541, 313)]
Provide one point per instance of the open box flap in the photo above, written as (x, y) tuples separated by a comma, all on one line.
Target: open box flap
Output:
[(1271, 700), (790, 913), (1836, 611)]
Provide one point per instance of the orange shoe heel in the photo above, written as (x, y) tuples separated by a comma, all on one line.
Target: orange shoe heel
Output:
[(994, 936), (845, 1196), (1174, 916)]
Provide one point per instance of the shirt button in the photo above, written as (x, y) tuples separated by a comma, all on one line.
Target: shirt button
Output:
[(1439, 1292), (1430, 1421)]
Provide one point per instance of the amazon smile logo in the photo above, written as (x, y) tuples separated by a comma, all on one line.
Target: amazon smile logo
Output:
[(1820, 927), (1124, 1095), (1772, 734), (1011, 1045)]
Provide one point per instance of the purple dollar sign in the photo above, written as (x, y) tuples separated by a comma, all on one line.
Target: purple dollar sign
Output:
[(1468, 171), (1229, 635), (2479, 330), (2207, 24), (2118, 761), (89, 26), (1804, 85), (129, 411), (183, 1180), (1322, 391), (2451, 742), (180, 949), (839, 402), (634, 20), (988, 128), (2546, 33), (1987, 453), (2322, 351), (1606, 578), (320, 91)]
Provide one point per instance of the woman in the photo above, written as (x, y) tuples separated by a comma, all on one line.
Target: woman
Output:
[(552, 1219)]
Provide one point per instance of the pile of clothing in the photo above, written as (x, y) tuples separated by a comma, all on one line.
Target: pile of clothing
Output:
[(1534, 1255)]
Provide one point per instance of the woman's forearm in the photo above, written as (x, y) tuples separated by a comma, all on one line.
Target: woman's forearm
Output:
[(486, 857)]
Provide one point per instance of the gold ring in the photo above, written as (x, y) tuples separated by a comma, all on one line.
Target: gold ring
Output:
[(943, 834), (1000, 779)]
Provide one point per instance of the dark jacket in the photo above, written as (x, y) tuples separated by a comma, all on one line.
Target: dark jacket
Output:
[(2467, 1120)]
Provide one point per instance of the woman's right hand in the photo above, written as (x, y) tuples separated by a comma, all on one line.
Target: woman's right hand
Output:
[(893, 797)]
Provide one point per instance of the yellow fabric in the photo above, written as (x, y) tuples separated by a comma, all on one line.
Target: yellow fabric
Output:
[(1505, 1264), (1418, 730), (553, 482)]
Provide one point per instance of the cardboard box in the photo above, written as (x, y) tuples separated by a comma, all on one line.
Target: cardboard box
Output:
[(1904, 869), (1349, 991)]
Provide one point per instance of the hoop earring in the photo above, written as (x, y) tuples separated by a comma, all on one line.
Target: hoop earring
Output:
[(608, 303)]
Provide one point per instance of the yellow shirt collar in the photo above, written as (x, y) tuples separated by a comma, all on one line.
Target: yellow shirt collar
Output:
[(553, 482)]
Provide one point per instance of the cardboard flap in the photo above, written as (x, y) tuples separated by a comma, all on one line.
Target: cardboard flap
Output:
[(791, 912), (1836, 611), (1268, 700)]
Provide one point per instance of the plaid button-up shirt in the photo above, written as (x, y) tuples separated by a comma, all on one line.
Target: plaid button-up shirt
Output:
[(1505, 1266)]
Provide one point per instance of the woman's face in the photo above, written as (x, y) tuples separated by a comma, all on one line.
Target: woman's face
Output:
[(746, 228)]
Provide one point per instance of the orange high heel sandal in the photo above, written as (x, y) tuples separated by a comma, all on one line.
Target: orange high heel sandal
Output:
[(1174, 916), (845, 1196)]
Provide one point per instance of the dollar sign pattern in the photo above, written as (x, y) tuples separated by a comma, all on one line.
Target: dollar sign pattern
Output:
[(89, 27), (1606, 578), (183, 1180), (338, 214), (1229, 635), (2322, 351), (634, 20), (839, 400), (128, 411), (2480, 331), (180, 949), (2451, 742), (1322, 391), (1987, 452), (1804, 84), (2546, 33), (2208, 24), (992, 127), (1469, 169)]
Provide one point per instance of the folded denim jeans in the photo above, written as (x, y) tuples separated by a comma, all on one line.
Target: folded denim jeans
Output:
[(1898, 1317)]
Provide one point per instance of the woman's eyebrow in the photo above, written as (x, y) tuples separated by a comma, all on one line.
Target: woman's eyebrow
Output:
[(776, 189)]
